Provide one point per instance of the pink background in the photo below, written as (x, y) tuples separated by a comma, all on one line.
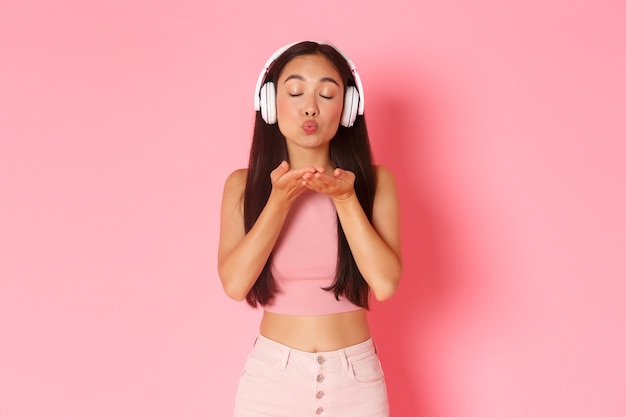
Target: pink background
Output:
[(504, 122)]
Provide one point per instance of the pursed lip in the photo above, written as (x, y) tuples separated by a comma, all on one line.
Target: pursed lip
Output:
[(309, 126)]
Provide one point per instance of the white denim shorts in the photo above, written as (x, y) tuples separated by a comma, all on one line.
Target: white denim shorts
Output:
[(278, 381)]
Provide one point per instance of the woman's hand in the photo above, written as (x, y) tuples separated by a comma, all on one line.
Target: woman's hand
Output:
[(339, 186), (288, 184)]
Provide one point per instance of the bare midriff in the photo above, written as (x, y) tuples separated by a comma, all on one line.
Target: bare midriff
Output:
[(317, 333)]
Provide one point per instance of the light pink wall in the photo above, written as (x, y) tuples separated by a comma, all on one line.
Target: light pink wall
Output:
[(504, 123)]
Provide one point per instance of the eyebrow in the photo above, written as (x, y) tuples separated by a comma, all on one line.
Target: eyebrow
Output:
[(301, 78)]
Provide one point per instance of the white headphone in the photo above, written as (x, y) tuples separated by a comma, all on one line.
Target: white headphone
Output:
[(265, 92)]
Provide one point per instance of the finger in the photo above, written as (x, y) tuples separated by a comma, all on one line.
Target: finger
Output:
[(344, 175), (323, 178), (303, 171), (279, 171)]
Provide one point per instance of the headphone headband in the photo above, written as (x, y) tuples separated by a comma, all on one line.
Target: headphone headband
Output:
[(280, 51)]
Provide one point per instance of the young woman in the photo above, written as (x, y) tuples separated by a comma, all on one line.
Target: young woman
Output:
[(308, 231)]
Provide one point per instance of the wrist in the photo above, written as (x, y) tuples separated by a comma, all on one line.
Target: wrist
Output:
[(345, 198), (278, 200)]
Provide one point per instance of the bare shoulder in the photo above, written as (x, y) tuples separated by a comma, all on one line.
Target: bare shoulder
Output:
[(234, 189), (384, 178), (386, 194), (236, 181)]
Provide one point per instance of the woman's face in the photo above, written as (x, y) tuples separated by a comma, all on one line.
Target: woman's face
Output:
[(309, 101)]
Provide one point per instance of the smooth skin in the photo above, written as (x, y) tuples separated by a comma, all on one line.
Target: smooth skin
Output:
[(309, 97)]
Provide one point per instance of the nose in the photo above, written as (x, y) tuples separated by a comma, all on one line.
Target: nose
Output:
[(310, 108)]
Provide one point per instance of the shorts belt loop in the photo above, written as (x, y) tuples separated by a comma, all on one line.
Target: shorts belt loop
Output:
[(285, 359), (345, 363)]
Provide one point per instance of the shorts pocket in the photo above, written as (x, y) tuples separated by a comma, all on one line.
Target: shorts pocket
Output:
[(368, 370), (255, 368)]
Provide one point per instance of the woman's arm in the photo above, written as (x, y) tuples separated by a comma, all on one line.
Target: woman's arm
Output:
[(376, 246), (241, 255)]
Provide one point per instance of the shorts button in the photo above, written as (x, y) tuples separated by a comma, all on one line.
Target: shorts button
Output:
[(320, 378), (319, 394), (321, 360), (319, 411)]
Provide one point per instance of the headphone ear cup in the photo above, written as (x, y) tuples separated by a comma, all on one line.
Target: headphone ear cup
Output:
[(350, 106), (267, 96)]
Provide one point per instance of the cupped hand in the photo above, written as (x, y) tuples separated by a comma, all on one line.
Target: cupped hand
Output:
[(289, 183), (339, 186)]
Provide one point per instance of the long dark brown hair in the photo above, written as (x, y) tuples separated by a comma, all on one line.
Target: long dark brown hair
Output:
[(349, 150)]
